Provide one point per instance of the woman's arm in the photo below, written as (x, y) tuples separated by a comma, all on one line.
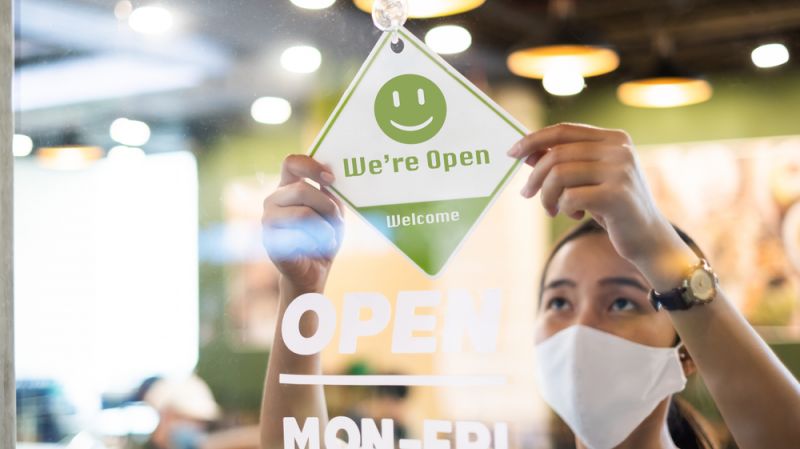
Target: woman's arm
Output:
[(297, 401), (757, 396), (302, 233), (579, 169)]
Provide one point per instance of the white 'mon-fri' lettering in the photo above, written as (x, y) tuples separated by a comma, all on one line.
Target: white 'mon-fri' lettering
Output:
[(437, 434)]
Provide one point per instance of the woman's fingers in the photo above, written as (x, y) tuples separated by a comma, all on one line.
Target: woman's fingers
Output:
[(296, 167), (333, 198), (302, 194), (339, 226), (566, 175), (561, 134), (305, 223), (575, 201), (561, 154), (286, 244)]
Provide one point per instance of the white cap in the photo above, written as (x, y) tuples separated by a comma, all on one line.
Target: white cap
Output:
[(189, 397)]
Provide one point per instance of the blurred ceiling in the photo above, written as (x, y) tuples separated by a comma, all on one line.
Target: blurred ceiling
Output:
[(76, 59)]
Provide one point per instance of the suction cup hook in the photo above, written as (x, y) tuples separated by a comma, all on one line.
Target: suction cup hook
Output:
[(391, 15)]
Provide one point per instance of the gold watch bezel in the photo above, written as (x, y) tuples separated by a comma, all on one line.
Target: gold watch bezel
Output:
[(690, 295)]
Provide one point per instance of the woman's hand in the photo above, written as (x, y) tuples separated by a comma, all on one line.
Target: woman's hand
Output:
[(303, 224), (579, 169)]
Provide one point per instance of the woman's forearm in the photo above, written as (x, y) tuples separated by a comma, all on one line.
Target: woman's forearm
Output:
[(296, 401), (755, 393), (757, 396)]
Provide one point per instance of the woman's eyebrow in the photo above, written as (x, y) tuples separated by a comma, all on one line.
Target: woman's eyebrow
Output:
[(621, 280), (561, 283)]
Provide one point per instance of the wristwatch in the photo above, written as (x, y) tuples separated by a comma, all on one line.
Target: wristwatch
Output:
[(699, 286)]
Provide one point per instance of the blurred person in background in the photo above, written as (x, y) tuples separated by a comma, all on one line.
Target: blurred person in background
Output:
[(384, 402), (629, 307), (186, 408)]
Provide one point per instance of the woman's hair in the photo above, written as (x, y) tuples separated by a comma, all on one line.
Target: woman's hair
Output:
[(688, 428)]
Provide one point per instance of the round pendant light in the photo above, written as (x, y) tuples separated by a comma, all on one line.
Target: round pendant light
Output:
[(72, 154), (565, 47), (586, 60), (666, 85), (424, 9), (68, 157), (664, 92)]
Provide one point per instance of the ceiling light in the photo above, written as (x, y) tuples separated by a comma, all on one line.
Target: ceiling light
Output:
[(22, 145), (563, 82), (301, 59), (125, 153), (564, 42), (664, 92), (129, 132), (313, 4), (68, 157), (150, 20), (770, 55), (448, 39), (123, 9), (271, 110), (666, 85), (586, 60), (429, 8)]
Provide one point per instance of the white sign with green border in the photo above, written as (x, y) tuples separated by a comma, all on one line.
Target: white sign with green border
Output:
[(417, 150)]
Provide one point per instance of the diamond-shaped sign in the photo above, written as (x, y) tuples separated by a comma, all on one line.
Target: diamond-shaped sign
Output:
[(417, 150)]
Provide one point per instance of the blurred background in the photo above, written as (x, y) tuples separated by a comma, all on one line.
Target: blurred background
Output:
[(149, 133)]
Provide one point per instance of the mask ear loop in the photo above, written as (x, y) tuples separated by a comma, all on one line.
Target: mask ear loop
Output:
[(683, 353)]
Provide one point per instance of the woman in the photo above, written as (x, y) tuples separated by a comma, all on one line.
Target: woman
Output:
[(607, 361)]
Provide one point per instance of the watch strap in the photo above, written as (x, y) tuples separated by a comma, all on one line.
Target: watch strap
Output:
[(671, 300), (676, 299)]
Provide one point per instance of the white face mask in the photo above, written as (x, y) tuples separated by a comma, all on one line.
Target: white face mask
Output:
[(604, 386)]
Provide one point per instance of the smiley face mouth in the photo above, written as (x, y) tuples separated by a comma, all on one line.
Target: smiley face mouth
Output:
[(422, 125)]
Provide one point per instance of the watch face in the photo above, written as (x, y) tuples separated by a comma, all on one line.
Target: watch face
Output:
[(701, 285)]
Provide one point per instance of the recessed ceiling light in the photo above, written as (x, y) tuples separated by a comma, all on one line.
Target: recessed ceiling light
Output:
[(129, 132), (313, 4), (150, 20), (563, 82), (22, 145), (301, 59), (271, 110), (770, 55), (448, 39)]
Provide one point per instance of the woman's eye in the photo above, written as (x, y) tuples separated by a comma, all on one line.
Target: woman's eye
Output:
[(622, 304), (557, 303)]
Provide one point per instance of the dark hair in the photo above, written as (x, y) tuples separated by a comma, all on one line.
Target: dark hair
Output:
[(687, 427)]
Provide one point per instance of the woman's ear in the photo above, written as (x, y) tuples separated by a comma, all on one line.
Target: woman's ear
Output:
[(687, 362)]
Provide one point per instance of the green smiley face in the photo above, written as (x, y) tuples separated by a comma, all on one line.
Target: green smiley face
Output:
[(410, 109)]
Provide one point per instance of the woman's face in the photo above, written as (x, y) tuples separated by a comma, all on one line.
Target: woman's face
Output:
[(588, 283)]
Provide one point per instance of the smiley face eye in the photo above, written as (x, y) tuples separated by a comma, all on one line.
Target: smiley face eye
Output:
[(396, 98), (421, 96)]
